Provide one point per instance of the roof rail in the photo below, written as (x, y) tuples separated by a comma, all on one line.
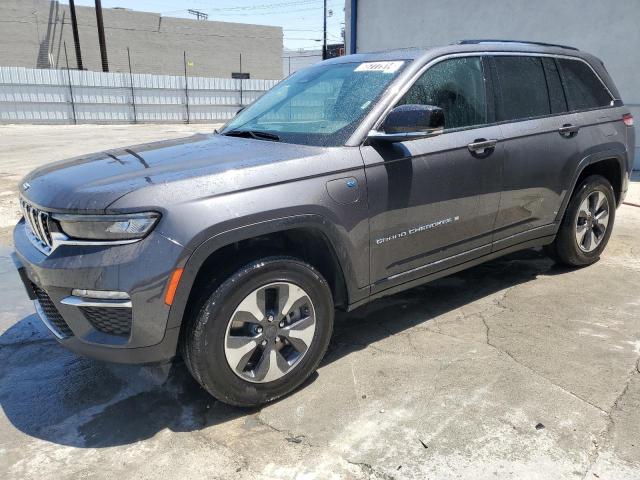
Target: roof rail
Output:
[(521, 42)]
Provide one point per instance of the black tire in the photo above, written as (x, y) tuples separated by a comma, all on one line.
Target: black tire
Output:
[(565, 248), (203, 340)]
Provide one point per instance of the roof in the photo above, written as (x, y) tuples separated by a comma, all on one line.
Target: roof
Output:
[(414, 53), (420, 56)]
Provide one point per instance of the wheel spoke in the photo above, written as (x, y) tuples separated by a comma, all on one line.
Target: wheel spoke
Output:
[(600, 202), (271, 366), (602, 218), (238, 351), (303, 330), (254, 304), (602, 215), (598, 233), (581, 231), (583, 212), (594, 199), (586, 243), (293, 294)]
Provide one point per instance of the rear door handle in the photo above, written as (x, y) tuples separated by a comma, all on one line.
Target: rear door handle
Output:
[(482, 148), (568, 130)]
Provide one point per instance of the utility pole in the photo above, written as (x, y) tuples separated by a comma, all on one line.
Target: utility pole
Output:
[(198, 14), (103, 43), (76, 37), (324, 29)]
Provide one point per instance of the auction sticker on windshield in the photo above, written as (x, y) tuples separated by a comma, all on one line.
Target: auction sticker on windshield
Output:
[(384, 67)]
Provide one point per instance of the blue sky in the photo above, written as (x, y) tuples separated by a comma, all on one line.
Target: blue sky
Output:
[(300, 19)]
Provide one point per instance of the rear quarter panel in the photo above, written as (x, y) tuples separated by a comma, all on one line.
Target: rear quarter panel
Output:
[(602, 136)]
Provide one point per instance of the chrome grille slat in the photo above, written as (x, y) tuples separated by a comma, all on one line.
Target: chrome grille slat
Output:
[(37, 226), (43, 220)]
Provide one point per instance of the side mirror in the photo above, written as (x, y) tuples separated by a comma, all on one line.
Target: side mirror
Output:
[(409, 122)]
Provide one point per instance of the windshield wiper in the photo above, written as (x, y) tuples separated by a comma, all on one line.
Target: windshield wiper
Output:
[(257, 134)]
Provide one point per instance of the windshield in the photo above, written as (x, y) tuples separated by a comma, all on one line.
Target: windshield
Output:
[(320, 105)]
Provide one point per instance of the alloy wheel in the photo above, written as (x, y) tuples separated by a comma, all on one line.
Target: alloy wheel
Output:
[(592, 221), (270, 332)]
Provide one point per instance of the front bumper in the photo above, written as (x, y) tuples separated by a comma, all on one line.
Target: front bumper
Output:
[(141, 269)]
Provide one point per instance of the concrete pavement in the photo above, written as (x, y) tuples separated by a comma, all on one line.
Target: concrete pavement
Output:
[(516, 369)]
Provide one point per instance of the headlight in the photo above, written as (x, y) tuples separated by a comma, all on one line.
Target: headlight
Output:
[(129, 226)]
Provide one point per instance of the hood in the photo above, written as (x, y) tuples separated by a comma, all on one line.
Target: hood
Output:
[(93, 182)]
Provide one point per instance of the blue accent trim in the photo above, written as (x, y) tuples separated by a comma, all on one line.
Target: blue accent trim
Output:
[(353, 26)]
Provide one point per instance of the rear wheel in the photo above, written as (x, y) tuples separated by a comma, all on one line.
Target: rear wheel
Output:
[(262, 332), (587, 223)]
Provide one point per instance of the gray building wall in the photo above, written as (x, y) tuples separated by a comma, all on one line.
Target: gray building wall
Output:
[(606, 28), (33, 32)]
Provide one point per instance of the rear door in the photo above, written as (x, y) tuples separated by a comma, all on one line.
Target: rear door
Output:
[(532, 109), (434, 198), (596, 125)]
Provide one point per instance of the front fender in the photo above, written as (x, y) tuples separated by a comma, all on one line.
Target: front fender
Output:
[(333, 234)]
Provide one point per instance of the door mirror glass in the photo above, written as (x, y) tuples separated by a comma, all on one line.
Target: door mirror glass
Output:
[(406, 122)]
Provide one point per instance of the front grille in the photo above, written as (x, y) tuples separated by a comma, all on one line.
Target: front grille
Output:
[(51, 313), (114, 321), (37, 226)]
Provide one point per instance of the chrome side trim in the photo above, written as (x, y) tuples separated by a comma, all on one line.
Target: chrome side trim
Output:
[(46, 321), (399, 137), (83, 302)]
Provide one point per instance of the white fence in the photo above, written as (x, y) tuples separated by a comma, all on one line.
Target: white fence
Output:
[(72, 96)]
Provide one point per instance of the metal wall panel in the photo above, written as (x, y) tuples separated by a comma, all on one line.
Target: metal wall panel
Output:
[(60, 96)]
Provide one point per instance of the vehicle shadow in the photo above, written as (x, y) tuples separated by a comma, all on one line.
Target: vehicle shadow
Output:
[(50, 393)]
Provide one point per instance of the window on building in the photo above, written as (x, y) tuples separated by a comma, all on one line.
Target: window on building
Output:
[(522, 86), (584, 89), (457, 86)]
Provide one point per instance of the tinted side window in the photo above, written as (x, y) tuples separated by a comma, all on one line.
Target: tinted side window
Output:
[(584, 89), (556, 93), (523, 88), (457, 86)]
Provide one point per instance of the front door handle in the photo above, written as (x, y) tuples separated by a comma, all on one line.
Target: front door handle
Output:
[(482, 148), (568, 130)]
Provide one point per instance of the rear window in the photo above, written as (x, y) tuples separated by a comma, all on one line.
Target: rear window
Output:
[(556, 93), (522, 86), (583, 88)]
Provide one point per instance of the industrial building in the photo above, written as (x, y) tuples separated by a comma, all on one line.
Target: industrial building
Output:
[(606, 28), (33, 34)]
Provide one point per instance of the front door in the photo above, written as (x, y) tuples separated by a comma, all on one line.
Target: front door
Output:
[(433, 202)]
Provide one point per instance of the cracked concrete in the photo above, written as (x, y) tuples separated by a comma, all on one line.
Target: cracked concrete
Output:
[(514, 369)]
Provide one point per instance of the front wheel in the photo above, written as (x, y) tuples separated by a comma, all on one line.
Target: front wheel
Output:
[(587, 223), (262, 332)]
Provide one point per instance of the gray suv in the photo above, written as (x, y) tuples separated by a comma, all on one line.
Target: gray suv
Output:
[(350, 180)]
